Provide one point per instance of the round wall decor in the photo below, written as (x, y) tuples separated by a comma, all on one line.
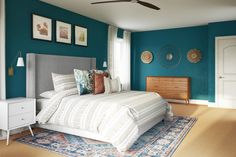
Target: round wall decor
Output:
[(169, 56), (194, 56), (146, 57)]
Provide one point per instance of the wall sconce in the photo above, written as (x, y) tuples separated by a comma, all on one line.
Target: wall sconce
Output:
[(20, 63), (104, 65)]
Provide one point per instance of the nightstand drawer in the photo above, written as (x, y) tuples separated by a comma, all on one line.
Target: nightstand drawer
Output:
[(21, 107), (20, 120)]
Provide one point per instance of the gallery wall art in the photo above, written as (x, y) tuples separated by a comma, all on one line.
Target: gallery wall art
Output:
[(41, 27), (63, 32), (169, 56), (81, 36), (146, 57), (194, 56)]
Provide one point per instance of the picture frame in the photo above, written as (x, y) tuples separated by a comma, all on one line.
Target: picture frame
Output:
[(81, 36), (63, 32), (41, 28)]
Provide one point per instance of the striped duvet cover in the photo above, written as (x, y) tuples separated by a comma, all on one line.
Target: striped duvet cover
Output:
[(115, 116)]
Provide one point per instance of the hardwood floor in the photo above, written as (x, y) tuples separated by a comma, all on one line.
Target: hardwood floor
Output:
[(213, 135)]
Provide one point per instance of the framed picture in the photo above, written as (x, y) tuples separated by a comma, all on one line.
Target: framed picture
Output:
[(81, 36), (41, 28), (63, 32)]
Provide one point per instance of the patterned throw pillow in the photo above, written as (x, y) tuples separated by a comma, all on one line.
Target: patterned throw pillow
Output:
[(83, 81), (98, 82), (63, 82)]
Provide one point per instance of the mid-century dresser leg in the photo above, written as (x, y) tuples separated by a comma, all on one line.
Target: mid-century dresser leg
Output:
[(187, 101), (31, 131), (8, 136)]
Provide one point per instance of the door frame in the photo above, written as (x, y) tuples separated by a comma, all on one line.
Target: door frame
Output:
[(2, 50), (217, 66)]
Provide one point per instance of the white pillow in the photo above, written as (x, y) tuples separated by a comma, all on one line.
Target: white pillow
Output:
[(48, 94), (112, 85), (107, 85), (63, 82)]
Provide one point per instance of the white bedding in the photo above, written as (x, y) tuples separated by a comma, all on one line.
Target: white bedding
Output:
[(41, 103), (116, 117)]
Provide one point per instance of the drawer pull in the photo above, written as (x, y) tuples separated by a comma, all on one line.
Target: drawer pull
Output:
[(22, 119), (22, 108)]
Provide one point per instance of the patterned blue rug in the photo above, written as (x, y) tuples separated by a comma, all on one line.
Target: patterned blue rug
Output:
[(160, 141)]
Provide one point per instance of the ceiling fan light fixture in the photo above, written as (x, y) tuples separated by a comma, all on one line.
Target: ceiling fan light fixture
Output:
[(145, 4)]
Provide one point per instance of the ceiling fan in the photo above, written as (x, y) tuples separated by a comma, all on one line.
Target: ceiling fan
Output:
[(132, 1)]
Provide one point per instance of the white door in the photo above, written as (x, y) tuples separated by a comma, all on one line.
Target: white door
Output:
[(226, 72)]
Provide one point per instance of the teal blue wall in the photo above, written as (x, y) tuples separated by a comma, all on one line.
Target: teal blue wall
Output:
[(202, 73), (216, 30), (183, 38), (19, 37)]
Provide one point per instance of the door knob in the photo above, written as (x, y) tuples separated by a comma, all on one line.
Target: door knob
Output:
[(221, 77)]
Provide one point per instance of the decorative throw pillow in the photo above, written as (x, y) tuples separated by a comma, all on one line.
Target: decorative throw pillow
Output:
[(112, 85), (63, 82), (83, 81), (98, 84)]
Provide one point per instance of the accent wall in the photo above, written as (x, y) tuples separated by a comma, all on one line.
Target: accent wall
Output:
[(201, 37), (182, 38), (19, 38)]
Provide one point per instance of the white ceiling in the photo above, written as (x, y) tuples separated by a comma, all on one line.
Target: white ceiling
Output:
[(173, 13)]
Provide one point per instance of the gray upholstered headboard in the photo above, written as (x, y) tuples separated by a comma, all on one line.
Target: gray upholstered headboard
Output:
[(40, 67)]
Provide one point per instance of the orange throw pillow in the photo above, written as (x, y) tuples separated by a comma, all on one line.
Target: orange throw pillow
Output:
[(98, 83)]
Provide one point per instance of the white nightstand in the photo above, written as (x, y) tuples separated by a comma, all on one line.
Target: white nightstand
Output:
[(17, 113)]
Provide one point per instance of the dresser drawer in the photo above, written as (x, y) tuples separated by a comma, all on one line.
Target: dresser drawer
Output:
[(169, 87), (20, 120), (21, 107)]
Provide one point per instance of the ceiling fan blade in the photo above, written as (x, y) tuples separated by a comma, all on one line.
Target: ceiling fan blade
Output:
[(111, 1), (148, 5)]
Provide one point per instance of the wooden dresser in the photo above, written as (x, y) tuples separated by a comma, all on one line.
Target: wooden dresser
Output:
[(169, 87)]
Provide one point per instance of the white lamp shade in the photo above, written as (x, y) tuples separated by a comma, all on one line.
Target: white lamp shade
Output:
[(20, 62), (104, 64)]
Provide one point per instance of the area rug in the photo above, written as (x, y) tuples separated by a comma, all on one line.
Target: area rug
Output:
[(160, 141)]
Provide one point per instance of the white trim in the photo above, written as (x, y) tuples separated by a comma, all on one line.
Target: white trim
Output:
[(216, 104), (197, 102), (216, 70), (2, 54), (225, 37), (2, 51), (191, 101), (212, 104)]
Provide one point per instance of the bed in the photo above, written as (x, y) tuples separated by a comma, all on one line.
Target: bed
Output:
[(117, 118)]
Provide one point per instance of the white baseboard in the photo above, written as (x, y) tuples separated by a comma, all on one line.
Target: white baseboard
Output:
[(215, 105), (200, 102), (212, 104), (191, 101)]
